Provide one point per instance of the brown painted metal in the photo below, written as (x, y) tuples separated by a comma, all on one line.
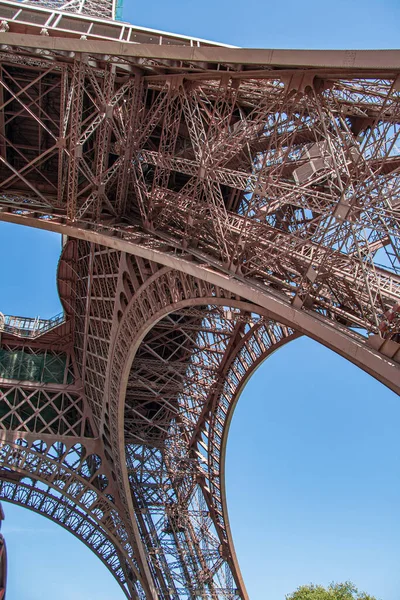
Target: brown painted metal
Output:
[(217, 202), (3, 560)]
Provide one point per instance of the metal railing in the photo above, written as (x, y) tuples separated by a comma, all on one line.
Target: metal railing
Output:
[(29, 327)]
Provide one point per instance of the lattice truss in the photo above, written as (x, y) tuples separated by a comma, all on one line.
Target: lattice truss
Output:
[(192, 362), (48, 455), (180, 389), (102, 9), (291, 181), (177, 179)]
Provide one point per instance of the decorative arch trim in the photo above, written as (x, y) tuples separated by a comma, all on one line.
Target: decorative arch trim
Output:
[(164, 292), (337, 337)]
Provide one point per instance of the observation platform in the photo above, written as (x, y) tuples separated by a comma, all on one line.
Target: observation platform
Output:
[(30, 19)]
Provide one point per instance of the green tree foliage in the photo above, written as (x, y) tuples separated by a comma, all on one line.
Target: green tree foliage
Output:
[(335, 591)]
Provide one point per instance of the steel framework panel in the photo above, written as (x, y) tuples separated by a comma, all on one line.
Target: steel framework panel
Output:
[(218, 203)]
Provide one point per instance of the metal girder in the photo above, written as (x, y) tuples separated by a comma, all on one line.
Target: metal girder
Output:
[(310, 215), (219, 202), (61, 480)]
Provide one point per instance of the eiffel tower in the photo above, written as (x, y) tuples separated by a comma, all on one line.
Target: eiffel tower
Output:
[(215, 203)]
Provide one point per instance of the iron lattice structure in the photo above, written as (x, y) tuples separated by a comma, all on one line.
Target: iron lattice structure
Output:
[(215, 203)]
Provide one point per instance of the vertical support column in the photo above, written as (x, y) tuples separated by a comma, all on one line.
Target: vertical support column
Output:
[(135, 98), (103, 138), (75, 149), (64, 113), (3, 560)]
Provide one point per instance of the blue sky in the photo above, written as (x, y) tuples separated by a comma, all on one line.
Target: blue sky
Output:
[(313, 461), (350, 24)]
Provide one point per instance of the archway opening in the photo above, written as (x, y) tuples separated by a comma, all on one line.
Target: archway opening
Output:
[(312, 476)]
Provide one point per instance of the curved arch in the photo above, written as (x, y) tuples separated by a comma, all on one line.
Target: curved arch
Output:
[(16, 494), (226, 404), (73, 494), (252, 365), (227, 294), (118, 379), (165, 292), (331, 334), (65, 274), (260, 394), (231, 245)]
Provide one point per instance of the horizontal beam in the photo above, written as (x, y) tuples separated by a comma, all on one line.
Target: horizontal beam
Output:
[(273, 304), (343, 60)]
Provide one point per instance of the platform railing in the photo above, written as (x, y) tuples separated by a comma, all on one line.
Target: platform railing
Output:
[(29, 327)]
